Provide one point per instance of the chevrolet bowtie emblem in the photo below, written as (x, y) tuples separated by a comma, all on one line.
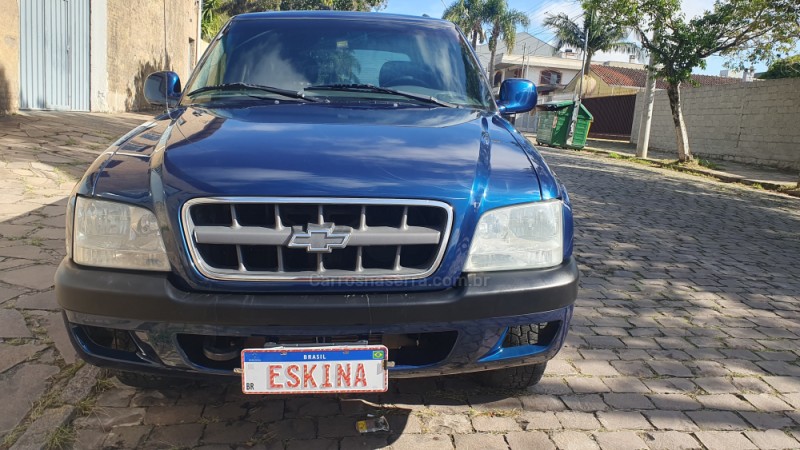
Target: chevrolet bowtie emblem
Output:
[(320, 238)]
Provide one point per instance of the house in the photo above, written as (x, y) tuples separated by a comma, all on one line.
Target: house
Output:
[(533, 59), (614, 78), (92, 55)]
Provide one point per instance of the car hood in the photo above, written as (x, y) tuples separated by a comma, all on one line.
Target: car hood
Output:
[(325, 151), (322, 151)]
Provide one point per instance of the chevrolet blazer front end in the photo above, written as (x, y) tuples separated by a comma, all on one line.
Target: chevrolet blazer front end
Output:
[(319, 190)]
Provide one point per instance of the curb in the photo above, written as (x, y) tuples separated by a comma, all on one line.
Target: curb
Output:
[(769, 186)]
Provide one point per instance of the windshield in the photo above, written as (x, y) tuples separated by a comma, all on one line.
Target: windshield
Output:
[(340, 61)]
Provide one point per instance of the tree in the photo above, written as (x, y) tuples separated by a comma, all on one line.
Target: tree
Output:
[(503, 23), (234, 7), (469, 15), (783, 68), (213, 19), (743, 30), (604, 35), (217, 12)]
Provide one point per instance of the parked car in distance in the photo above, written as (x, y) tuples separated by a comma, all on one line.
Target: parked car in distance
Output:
[(332, 201)]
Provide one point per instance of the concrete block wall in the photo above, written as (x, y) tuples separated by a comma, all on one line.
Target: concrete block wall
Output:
[(9, 57), (757, 123)]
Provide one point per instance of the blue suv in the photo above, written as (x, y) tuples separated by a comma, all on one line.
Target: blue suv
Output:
[(333, 200)]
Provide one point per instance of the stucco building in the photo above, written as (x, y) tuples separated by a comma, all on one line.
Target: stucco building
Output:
[(534, 59), (91, 55)]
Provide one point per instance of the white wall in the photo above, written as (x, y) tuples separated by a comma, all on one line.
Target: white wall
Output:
[(756, 122)]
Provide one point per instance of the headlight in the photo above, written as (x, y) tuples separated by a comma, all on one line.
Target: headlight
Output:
[(111, 234), (528, 236)]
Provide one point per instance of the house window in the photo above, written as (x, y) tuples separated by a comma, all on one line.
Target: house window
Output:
[(550, 77)]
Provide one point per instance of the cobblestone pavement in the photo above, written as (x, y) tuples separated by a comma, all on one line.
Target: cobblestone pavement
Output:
[(41, 157), (685, 334)]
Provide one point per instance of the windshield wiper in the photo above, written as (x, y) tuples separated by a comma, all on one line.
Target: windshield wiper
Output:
[(381, 90), (257, 87)]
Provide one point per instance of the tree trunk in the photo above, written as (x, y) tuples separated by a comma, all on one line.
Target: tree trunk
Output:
[(475, 40), (682, 138), (491, 64), (588, 66), (582, 85)]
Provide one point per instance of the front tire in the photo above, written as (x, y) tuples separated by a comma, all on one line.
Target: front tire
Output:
[(520, 377), (516, 378)]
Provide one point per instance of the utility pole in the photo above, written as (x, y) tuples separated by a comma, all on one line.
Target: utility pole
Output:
[(577, 98), (647, 112), (524, 67)]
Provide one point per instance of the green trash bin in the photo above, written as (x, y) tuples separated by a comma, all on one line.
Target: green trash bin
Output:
[(554, 118)]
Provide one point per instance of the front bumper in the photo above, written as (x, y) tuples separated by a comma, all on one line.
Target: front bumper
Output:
[(157, 317)]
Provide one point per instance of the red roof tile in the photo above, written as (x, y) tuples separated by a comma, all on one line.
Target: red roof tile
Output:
[(621, 76)]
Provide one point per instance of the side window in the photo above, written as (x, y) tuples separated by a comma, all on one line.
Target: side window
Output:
[(212, 71)]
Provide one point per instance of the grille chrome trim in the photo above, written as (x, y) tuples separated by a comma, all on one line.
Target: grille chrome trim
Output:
[(279, 237), (268, 236)]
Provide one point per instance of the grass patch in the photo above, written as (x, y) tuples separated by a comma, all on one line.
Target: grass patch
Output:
[(62, 175), (707, 164), (52, 398), (104, 383), (62, 438), (48, 400), (85, 406), (633, 159), (513, 413), (642, 162), (678, 166), (757, 186), (425, 412), (13, 435)]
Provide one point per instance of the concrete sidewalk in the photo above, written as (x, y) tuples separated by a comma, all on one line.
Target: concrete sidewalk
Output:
[(728, 171)]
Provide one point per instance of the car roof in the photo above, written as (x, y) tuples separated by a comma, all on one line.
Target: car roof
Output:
[(344, 15)]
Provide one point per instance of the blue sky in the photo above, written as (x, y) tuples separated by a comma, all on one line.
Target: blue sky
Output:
[(538, 10)]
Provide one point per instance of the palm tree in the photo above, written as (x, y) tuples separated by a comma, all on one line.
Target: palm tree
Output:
[(469, 16), (503, 23), (604, 35)]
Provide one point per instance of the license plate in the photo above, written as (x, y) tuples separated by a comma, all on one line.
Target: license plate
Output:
[(306, 370)]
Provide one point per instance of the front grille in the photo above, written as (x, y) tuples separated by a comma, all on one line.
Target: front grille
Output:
[(290, 239)]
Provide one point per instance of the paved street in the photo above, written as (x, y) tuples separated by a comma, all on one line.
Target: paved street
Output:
[(686, 332), (41, 157)]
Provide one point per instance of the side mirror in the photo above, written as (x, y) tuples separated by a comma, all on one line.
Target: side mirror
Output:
[(163, 89), (517, 96)]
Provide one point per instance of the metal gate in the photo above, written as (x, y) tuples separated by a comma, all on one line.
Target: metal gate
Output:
[(527, 122), (613, 116), (54, 54)]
